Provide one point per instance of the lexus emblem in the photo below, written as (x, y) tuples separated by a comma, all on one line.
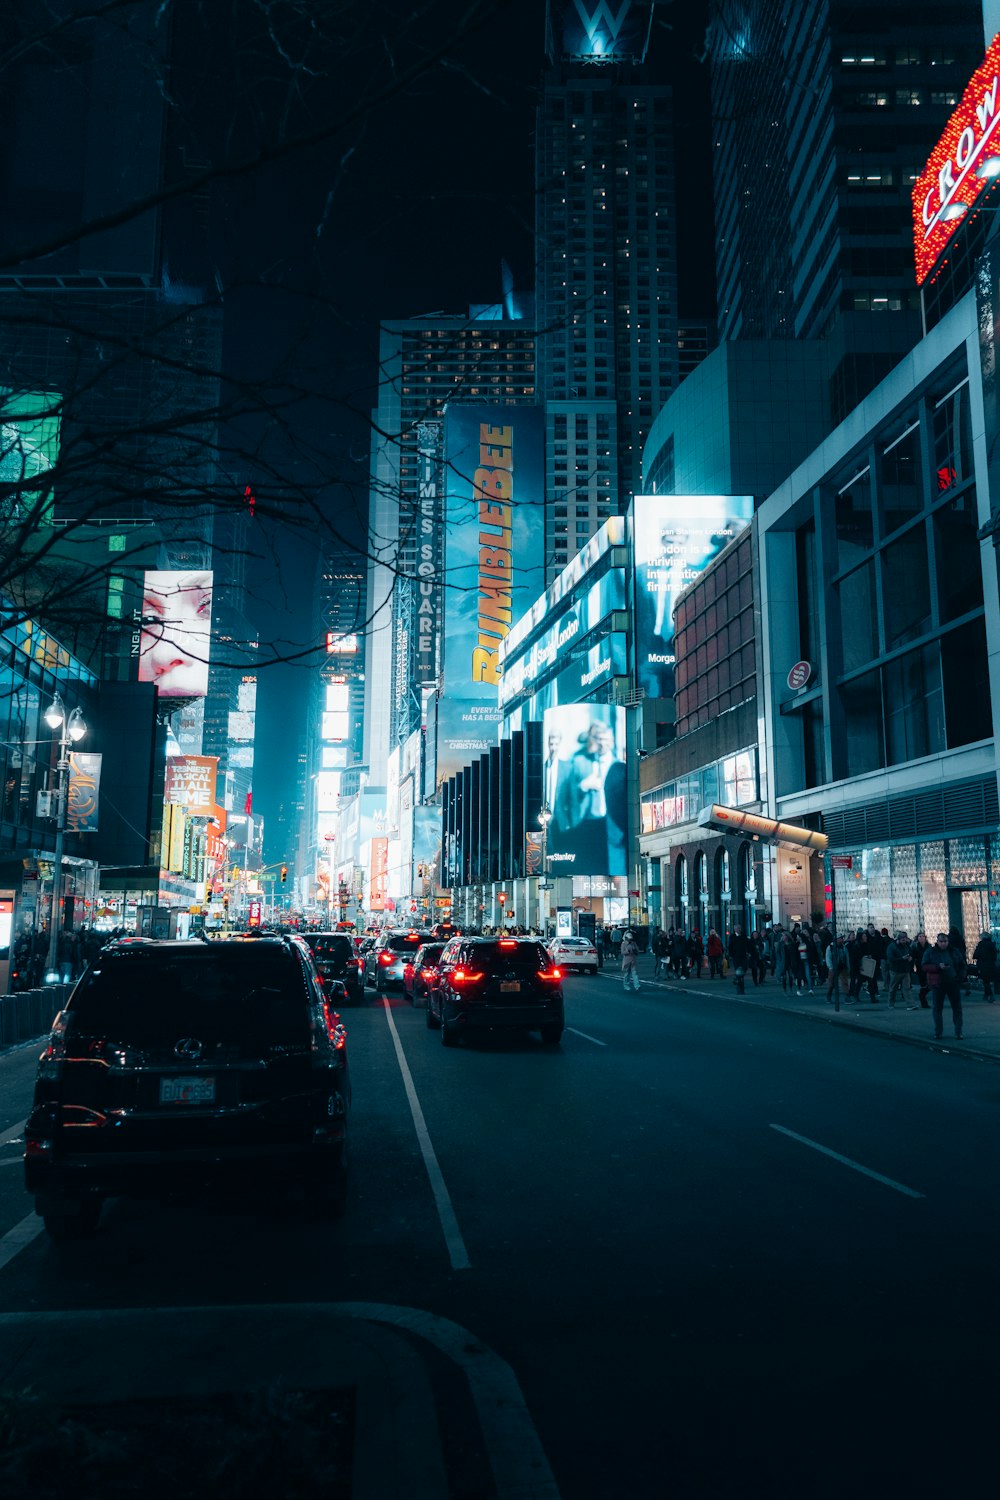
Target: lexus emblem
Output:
[(188, 1047)]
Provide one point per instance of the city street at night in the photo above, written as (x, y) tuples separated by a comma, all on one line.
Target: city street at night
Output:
[(722, 1249)]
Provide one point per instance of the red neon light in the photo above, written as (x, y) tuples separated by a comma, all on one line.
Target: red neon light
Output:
[(949, 180), (251, 500)]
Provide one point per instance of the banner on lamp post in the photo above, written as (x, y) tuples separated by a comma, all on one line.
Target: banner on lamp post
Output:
[(83, 792)]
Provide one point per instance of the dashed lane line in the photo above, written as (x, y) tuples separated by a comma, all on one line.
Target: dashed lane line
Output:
[(18, 1238), (586, 1038), (846, 1161)]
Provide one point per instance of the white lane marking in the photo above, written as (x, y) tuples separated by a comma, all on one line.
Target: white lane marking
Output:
[(846, 1161), (16, 1133), (449, 1224), (586, 1038), (13, 1161), (520, 1468), (16, 1239)]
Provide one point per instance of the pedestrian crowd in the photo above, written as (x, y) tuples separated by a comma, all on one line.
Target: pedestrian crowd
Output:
[(807, 958), (75, 949)]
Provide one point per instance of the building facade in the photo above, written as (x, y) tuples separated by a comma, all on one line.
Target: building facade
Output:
[(606, 274), (823, 114)]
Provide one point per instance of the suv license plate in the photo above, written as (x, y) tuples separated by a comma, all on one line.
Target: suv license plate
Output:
[(507, 986), (187, 1090)]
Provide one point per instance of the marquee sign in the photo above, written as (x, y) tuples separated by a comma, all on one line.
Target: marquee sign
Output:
[(962, 165)]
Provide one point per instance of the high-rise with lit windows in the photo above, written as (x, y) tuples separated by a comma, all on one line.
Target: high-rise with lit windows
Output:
[(606, 275), (824, 114), (487, 356)]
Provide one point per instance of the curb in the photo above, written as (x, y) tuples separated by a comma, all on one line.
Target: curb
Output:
[(397, 1446), (930, 1044)]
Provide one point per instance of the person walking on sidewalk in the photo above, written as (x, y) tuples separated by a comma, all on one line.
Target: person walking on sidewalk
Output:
[(920, 945), (835, 959), (714, 953), (629, 952), (899, 960), (758, 960), (942, 965), (661, 952), (985, 960), (678, 953), (739, 952)]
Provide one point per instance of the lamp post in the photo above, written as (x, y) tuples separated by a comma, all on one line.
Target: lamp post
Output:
[(544, 817), (330, 839), (71, 729)]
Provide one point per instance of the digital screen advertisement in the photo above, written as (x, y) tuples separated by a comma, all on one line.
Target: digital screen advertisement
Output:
[(494, 564), (190, 783), (584, 787), (675, 537), (175, 631)]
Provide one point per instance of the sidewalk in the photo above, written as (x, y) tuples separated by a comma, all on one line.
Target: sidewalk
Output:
[(980, 1031)]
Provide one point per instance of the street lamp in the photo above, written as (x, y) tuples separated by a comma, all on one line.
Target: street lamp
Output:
[(71, 730), (544, 818), (330, 839)]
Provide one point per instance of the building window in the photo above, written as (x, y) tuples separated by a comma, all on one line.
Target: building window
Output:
[(861, 707), (906, 588), (965, 672), (853, 518), (901, 486), (956, 546), (914, 706), (858, 618)]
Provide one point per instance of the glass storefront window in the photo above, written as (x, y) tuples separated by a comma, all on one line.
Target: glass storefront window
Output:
[(901, 485), (959, 573), (967, 861), (906, 588), (858, 620)]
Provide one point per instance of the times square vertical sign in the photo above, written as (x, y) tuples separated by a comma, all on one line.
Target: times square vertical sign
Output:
[(428, 550)]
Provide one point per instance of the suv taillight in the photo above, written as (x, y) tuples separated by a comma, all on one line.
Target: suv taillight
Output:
[(554, 974), (50, 1064), (465, 976), (386, 958)]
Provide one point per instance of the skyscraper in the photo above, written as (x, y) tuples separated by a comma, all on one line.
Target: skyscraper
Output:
[(606, 279), (488, 357), (823, 116)]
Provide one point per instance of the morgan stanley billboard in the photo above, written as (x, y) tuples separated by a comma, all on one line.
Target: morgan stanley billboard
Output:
[(675, 537), (494, 564)]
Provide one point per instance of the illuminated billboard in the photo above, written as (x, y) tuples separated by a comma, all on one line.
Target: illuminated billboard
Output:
[(341, 645), (963, 164), (174, 639), (29, 447), (191, 783), (494, 564), (674, 538), (584, 788)]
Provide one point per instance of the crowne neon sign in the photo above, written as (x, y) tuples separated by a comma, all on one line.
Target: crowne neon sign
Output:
[(956, 172)]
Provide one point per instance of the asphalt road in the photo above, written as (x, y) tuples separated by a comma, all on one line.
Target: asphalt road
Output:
[(725, 1251)]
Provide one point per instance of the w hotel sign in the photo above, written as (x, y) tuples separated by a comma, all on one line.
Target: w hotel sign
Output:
[(602, 31), (961, 167)]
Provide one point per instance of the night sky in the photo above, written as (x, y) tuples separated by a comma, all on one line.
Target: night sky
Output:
[(406, 211)]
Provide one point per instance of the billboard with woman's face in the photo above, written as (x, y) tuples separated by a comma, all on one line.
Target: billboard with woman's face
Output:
[(175, 633), (584, 787)]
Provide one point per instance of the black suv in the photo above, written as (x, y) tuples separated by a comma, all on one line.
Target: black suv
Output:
[(334, 956), (496, 982), (189, 1066)]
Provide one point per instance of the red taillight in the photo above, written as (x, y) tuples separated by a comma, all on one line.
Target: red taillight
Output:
[(508, 942), (554, 974), (465, 976), (386, 958)]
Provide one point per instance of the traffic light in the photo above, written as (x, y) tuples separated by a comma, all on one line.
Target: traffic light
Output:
[(284, 873), (225, 901)]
